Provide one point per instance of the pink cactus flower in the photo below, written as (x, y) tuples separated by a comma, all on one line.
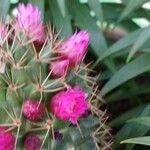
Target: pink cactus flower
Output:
[(32, 142), (3, 31), (7, 139), (29, 21), (32, 110), (69, 105), (59, 68), (75, 48)]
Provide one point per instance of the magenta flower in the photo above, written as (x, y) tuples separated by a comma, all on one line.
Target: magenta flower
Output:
[(32, 110), (32, 142), (29, 21), (59, 68), (7, 139), (69, 105), (75, 48)]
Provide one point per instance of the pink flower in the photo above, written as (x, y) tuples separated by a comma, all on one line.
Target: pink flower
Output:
[(32, 142), (7, 139), (3, 31), (59, 68), (69, 105), (75, 48), (32, 110), (29, 21)]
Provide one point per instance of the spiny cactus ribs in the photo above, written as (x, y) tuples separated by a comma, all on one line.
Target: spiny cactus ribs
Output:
[(45, 91)]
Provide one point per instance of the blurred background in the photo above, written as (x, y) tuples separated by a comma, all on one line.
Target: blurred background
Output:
[(119, 52)]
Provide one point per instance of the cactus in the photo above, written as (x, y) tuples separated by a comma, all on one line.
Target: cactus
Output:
[(47, 98)]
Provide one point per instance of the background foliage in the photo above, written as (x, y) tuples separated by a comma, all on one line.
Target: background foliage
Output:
[(120, 50)]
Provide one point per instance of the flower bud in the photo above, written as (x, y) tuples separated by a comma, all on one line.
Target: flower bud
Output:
[(75, 48), (59, 68), (29, 21), (32, 142), (7, 139), (32, 110)]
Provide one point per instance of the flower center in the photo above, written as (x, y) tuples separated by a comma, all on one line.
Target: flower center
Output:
[(71, 108)]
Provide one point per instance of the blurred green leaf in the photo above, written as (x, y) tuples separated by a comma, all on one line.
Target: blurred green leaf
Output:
[(121, 119), (112, 11), (125, 1), (131, 6), (62, 6), (130, 130), (145, 140), (4, 7), (95, 6), (118, 46), (134, 68), (132, 92), (141, 120), (143, 37)]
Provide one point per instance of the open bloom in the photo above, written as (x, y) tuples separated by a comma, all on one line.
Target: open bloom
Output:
[(32, 110), (32, 142), (69, 105), (29, 21), (75, 48), (7, 139), (59, 68)]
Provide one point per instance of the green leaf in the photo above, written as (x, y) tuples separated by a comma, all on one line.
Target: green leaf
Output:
[(112, 11), (62, 6), (81, 15), (95, 6), (145, 140), (143, 37), (121, 119), (118, 46), (129, 71), (125, 2), (131, 130), (141, 120), (132, 92), (131, 6), (4, 7)]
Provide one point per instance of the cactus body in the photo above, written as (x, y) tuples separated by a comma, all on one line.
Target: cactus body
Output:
[(30, 106)]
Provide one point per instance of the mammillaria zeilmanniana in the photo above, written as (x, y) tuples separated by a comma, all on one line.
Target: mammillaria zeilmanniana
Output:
[(45, 94)]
